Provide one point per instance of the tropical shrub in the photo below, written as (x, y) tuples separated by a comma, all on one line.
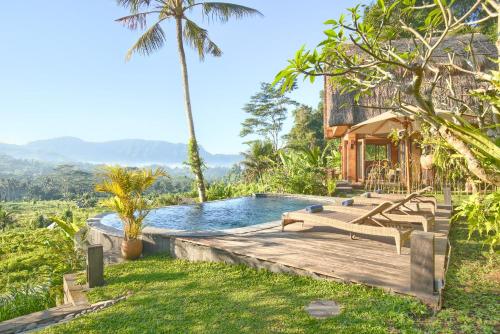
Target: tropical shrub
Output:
[(259, 158), (221, 189), (32, 263), (304, 171), (6, 219), (482, 213), (127, 187), (169, 199), (24, 300)]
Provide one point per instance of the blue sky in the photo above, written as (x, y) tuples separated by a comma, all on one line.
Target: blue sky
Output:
[(63, 72)]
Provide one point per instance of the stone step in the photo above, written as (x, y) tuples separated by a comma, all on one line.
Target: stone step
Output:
[(33, 320), (343, 188)]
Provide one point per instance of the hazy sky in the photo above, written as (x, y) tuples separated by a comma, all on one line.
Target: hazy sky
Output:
[(63, 73)]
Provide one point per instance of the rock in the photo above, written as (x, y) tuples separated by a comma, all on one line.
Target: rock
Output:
[(30, 326), (69, 316), (322, 309), (99, 304)]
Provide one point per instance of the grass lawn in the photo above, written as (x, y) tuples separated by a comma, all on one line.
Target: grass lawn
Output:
[(472, 294), (176, 296)]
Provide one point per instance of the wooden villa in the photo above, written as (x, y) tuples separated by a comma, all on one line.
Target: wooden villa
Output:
[(363, 128)]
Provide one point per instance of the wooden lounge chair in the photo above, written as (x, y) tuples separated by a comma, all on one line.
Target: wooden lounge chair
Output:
[(364, 223), (413, 203), (392, 215)]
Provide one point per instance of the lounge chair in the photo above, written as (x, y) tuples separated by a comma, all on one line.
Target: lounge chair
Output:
[(364, 223), (392, 215), (413, 203)]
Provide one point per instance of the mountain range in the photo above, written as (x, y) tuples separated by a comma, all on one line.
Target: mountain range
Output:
[(127, 151)]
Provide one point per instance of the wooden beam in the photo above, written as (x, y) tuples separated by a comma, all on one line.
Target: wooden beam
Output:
[(363, 153), (407, 165)]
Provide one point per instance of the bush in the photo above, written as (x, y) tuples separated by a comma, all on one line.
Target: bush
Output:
[(167, 199), (222, 190), (24, 300), (32, 263), (482, 213)]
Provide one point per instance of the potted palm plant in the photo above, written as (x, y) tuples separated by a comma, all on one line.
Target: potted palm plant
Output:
[(127, 187)]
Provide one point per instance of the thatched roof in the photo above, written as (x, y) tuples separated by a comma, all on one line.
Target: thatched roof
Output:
[(340, 108)]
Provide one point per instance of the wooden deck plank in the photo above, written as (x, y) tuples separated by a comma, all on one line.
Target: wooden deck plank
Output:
[(330, 253)]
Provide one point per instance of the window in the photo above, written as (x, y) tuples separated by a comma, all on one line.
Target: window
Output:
[(376, 152)]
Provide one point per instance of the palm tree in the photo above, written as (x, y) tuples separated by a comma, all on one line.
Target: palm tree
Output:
[(259, 158), (187, 31)]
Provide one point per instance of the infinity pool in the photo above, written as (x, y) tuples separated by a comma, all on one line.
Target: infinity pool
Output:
[(219, 215)]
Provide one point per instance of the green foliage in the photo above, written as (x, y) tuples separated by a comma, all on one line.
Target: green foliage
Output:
[(221, 298), (197, 165), (25, 180), (359, 56), (303, 171), (478, 141), (6, 219), (68, 227), (298, 173), (482, 213), (24, 300), (62, 182), (259, 158), (307, 127), (170, 199), (268, 110), (377, 12), (221, 190), (32, 263), (127, 187), (33, 215), (450, 166)]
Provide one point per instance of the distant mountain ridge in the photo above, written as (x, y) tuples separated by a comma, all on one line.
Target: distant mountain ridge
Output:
[(126, 151)]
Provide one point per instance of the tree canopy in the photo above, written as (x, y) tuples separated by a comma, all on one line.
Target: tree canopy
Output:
[(268, 110), (307, 129), (357, 57)]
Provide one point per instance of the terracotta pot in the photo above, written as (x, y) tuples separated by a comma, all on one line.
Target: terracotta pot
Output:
[(426, 161), (131, 249)]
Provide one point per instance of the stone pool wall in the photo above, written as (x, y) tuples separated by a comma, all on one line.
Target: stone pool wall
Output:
[(111, 239)]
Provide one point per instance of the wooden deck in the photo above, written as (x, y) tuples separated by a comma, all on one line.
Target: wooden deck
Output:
[(321, 251)]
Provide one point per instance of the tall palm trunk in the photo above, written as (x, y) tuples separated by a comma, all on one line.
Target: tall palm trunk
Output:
[(193, 152)]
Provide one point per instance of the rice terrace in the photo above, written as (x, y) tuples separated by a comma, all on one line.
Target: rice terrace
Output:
[(183, 166)]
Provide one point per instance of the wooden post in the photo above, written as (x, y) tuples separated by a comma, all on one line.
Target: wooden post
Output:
[(363, 152), (95, 266), (422, 263), (407, 165), (447, 196)]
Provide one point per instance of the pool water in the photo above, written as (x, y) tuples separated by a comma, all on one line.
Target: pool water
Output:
[(219, 215)]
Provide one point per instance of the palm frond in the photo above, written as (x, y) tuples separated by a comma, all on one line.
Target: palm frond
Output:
[(222, 11), (198, 39), (134, 21), (133, 5), (152, 40)]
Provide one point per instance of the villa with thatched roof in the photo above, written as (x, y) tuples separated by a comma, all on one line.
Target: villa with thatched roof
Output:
[(363, 127)]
